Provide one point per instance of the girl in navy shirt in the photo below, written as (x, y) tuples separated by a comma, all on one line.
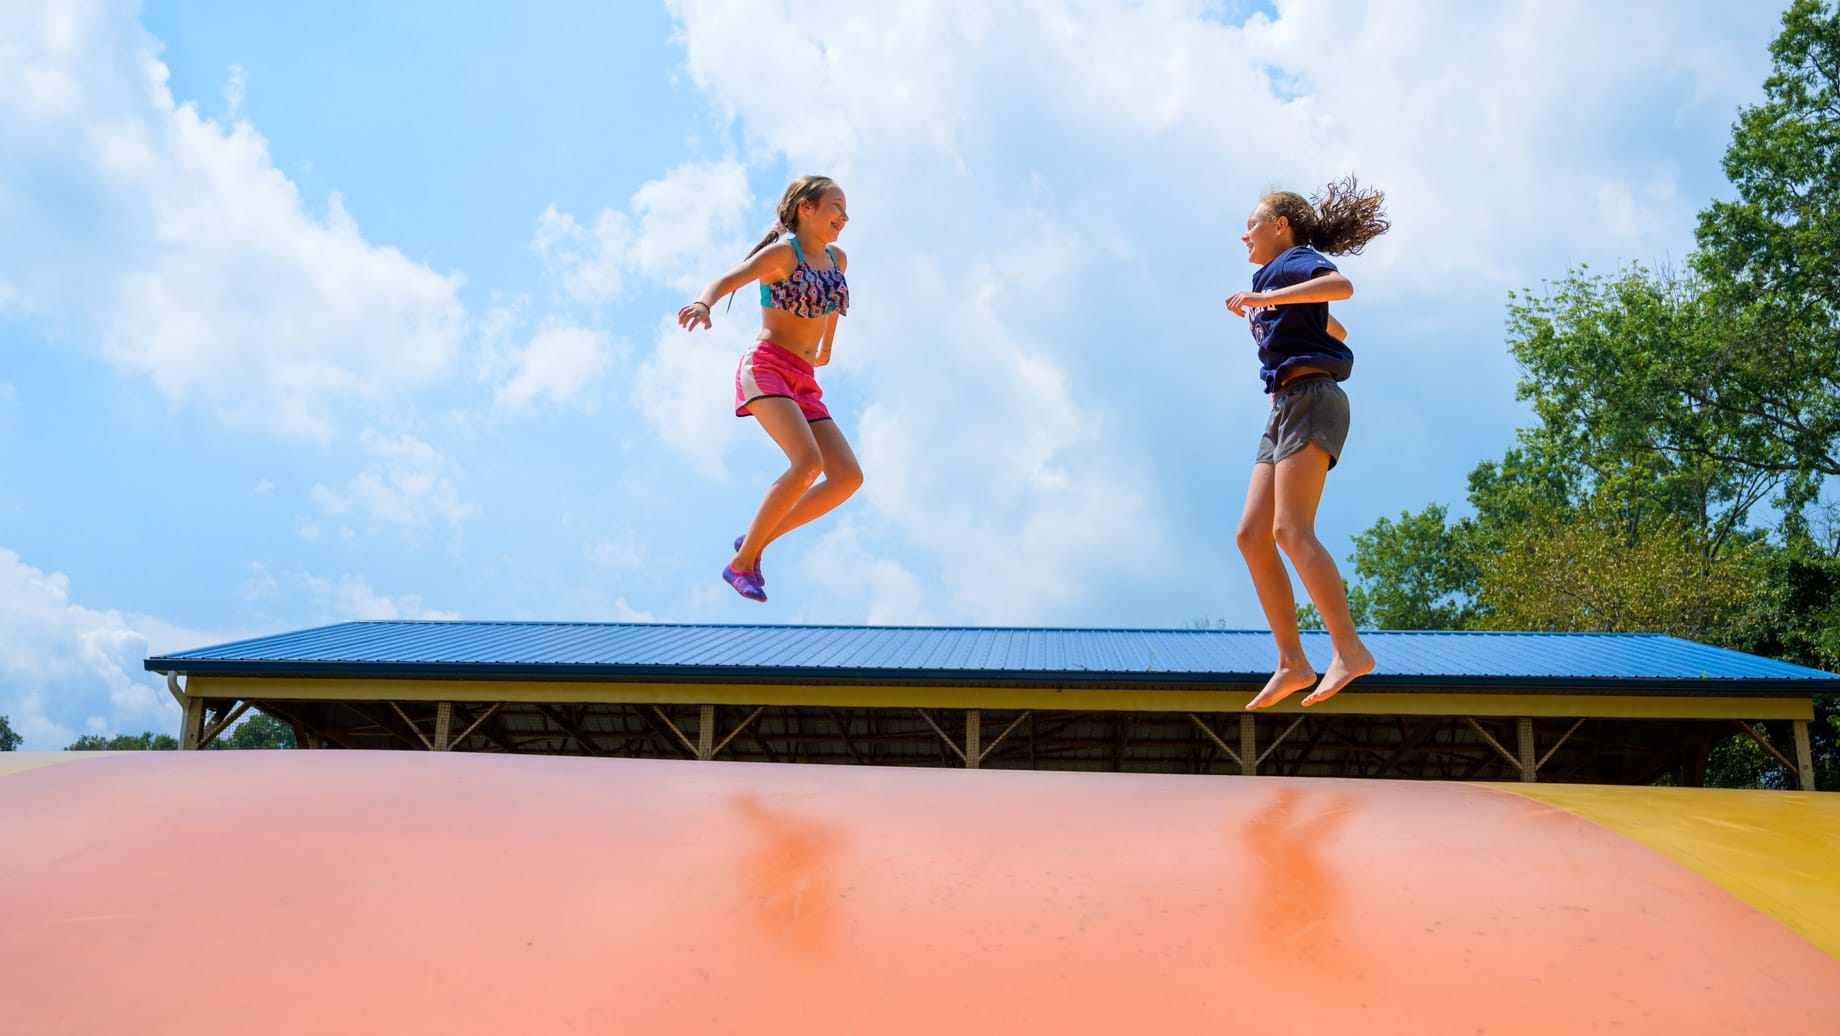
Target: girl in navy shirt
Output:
[(1302, 356)]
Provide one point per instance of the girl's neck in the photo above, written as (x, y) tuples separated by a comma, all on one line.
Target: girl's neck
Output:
[(809, 243)]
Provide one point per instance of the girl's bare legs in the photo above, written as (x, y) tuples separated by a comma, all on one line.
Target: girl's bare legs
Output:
[(1298, 489), (1273, 583), (793, 499)]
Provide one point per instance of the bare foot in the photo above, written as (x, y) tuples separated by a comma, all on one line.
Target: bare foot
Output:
[(1342, 670), (1286, 681)]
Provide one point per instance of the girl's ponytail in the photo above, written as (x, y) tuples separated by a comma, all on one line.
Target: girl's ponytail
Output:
[(1339, 219)]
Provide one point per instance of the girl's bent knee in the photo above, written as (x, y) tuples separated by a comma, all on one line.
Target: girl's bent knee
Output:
[(1295, 538), (1254, 541), (805, 470)]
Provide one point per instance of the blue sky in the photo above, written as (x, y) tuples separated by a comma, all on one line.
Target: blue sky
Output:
[(327, 313)]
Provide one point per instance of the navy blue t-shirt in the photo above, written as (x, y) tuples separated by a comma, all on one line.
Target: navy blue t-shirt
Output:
[(1295, 335)]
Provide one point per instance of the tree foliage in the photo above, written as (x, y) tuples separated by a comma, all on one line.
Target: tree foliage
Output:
[(10, 740), (1596, 568), (259, 730), (144, 741), (1668, 406), (1770, 259), (1413, 574)]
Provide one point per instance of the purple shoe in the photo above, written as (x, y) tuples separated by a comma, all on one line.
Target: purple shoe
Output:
[(745, 583), (759, 576)]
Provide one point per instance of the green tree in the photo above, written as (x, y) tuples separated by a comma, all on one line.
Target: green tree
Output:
[(260, 730), (9, 739), (1668, 407), (1596, 568), (1601, 365), (1413, 574), (144, 741), (1770, 260)]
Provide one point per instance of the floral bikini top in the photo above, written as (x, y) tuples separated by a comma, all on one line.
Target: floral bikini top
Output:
[(808, 292)]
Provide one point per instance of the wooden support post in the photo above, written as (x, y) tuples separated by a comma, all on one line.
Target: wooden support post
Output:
[(706, 733), (974, 736), (443, 725), (1523, 729), (1804, 756), (1248, 744), (191, 734)]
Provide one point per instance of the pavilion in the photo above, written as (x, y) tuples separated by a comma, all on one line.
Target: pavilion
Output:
[(1555, 707)]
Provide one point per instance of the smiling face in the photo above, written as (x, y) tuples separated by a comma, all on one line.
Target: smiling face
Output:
[(1267, 236), (826, 216)]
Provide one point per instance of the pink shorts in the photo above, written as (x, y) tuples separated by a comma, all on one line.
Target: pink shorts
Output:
[(769, 370)]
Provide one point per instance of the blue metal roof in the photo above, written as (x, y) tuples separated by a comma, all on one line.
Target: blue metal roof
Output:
[(908, 654)]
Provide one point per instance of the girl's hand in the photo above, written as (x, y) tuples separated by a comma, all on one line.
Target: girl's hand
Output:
[(688, 316), (1241, 301)]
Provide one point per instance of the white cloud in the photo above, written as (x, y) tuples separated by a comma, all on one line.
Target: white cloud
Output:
[(861, 585), (343, 598), (170, 243), (67, 669), (561, 364), (235, 82), (623, 554), (1047, 199), (408, 488), (686, 391), (263, 488), (679, 229)]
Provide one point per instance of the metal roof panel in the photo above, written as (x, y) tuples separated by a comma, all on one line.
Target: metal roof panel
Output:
[(654, 650)]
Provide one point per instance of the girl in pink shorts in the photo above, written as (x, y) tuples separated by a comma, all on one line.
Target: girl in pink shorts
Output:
[(802, 293)]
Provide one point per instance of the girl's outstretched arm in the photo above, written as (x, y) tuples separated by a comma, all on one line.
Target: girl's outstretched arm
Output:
[(773, 263), (1336, 329), (1326, 286)]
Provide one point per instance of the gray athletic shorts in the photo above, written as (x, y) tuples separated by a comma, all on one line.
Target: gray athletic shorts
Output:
[(1311, 409)]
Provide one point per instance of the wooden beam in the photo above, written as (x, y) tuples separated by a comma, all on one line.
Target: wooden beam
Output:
[(1523, 736), (1275, 742), (1804, 756), (1175, 698), (191, 729), (464, 734), (843, 732), (1492, 743), (1218, 743), (1764, 743), (672, 727), (752, 716), (570, 728), (417, 731), (706, 733), (386, 723), (943, 736), (223, 722), (1563, 738), (1007, 731)]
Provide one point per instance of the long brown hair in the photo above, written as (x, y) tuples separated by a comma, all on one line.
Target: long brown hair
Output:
[(1339, 219)]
